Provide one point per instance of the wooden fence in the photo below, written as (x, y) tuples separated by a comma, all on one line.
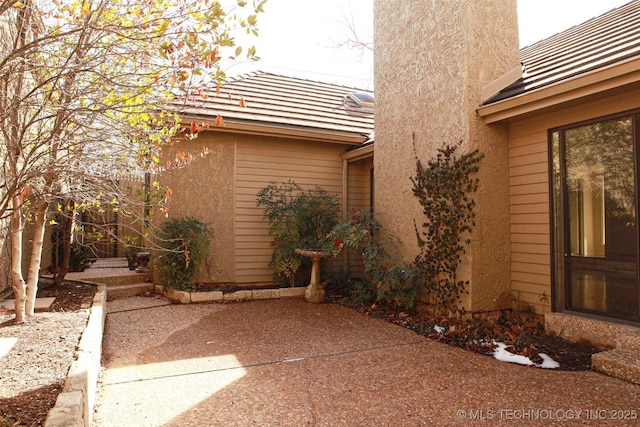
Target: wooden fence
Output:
[(105, 232)]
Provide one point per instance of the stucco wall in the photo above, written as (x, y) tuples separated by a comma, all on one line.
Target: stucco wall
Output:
[(204, 190), (221, 189), (431, 61)]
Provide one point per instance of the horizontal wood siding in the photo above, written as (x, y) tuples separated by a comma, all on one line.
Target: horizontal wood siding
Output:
[(359, 197), (529, 182), (355, 188), (530, 198), (260, 161)]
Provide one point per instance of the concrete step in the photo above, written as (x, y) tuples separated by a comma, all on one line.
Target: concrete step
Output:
[(128, 290), (600, 333), (622, 342), (619, 363), (110, 276), (110, 263), (629, 341)]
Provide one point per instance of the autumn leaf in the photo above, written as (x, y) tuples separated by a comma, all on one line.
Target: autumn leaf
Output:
[(167, 195), (219, 122), (242, 103), (163, 26), (149, 56)]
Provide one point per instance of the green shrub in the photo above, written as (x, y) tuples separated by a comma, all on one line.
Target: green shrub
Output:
[(355, 233), (388, 280), (297, 219), (185, 244), (397, 286), (394, 283), (362, 293)]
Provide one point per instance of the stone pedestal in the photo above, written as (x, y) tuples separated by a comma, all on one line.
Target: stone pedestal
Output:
[(315, 292)]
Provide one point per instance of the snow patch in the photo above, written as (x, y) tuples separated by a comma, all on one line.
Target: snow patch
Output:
[(547, 362), (502, 354)]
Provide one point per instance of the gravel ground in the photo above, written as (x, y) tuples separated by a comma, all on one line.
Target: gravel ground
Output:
[(39, 354)]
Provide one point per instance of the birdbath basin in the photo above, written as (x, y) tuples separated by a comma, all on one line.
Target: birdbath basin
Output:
[(314, 292)]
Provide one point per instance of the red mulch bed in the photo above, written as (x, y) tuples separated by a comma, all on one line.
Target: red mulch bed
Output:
[(521, 331)]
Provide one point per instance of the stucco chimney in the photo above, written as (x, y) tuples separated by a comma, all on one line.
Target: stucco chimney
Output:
[(432, 61)]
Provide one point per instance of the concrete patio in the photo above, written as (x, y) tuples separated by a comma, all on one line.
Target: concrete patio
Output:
[(286, 362)]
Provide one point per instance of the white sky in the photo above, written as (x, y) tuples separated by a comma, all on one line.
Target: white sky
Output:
[(298, 37)]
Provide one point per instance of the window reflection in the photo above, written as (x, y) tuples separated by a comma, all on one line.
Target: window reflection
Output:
[(600, 186), (597, 211)]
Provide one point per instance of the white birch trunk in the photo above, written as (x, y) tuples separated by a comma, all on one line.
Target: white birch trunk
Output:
[(36, 257), (18, 283)]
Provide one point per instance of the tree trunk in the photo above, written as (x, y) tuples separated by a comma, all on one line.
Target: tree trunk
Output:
[(18, 283), (61, 267), (36, 258)]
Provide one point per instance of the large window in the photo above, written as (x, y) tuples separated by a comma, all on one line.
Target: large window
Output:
[(594, 193)]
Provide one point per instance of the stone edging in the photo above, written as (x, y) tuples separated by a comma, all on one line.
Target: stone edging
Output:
[(75, 404), (240, 295)]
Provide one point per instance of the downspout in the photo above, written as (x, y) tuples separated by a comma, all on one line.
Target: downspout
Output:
[(345, 188)]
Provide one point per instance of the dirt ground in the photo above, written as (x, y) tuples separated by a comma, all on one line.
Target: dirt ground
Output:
[(32, 373)]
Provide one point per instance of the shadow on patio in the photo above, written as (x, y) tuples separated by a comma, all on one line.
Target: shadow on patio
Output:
[(290, 363)]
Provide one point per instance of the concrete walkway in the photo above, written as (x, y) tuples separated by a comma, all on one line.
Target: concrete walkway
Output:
[(291, 363)]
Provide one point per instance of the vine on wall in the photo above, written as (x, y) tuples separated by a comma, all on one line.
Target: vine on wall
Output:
[(444, 188)]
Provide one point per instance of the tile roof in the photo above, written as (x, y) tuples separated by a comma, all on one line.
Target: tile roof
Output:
[(602, 41), (286, 103)]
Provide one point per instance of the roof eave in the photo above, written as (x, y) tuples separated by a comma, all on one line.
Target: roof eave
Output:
[(283, 131), (608, 78), (359, 153)]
